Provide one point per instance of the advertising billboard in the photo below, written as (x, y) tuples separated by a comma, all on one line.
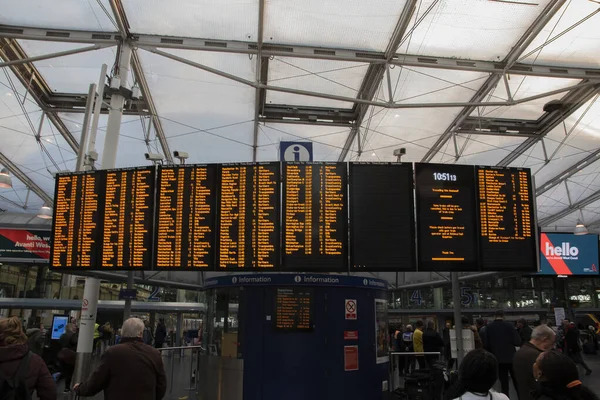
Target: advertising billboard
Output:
[(24, 245), (568, 254)]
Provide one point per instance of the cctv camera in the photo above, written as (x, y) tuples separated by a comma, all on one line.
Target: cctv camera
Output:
[(400, 152), (182, 155), (153, 156)]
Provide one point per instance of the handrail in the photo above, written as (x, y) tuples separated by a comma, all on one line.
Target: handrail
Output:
[(182, 347), (411, 353)]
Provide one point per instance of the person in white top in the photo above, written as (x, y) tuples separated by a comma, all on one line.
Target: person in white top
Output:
[(476, 376)]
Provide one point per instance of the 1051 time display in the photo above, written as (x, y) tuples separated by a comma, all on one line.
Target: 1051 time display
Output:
[(444, 176)]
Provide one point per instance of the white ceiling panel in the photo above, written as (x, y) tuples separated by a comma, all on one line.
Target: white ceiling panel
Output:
[(73, 73), (522, 87), (63, 14), (579, 47), (352, 24), (321, 76), (223, 19), (471, 29)]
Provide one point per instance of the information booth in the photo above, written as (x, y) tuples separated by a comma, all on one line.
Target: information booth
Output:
[(296, 337)]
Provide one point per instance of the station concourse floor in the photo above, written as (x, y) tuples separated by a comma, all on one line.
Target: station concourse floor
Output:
[(181, 375)]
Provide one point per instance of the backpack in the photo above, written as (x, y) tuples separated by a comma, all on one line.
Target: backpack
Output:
[(15, 388)]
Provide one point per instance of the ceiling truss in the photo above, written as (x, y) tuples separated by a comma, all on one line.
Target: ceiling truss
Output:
[(379, 62)]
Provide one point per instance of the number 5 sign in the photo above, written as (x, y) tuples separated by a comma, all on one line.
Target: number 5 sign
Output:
[(351, 310)]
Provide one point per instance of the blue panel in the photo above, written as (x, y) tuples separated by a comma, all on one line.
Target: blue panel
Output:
[(568, 254), (310, 365)]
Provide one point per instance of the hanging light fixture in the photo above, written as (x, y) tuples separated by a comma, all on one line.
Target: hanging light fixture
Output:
[(5, 179), (580, 229), (45, 212)]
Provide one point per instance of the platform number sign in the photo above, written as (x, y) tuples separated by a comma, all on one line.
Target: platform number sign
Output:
[(466, 296), (416, 297)]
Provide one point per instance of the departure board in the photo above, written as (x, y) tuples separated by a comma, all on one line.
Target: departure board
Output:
[(293, 309), (248, 218), (185, 217), (76, 224), (315, 217), (506, 219), (446, 217), (382, 217), (128, 213)]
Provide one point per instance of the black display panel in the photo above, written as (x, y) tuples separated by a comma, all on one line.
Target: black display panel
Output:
[(446, 217), (315, 217), (248, 218), (185, 217), (293, 309), (506, 219), (382, 223), (127, 218), (77, 220)]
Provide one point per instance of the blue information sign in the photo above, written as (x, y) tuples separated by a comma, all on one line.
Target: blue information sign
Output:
[(296, 280), (295, 151)]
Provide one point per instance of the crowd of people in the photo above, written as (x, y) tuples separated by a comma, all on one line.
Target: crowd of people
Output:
[(532, 358), (23, 371)]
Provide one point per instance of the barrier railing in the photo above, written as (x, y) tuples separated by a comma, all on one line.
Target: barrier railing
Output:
[(195, 351), (394, 371)]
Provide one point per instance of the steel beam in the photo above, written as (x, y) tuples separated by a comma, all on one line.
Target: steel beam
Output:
[(285, 50), (140, 78), (493, 80), (374, 76), (568, 172), (261, 77), (571, 209), (53, 55), (573, 100), (20, 175), (284, 113), (36, 85)]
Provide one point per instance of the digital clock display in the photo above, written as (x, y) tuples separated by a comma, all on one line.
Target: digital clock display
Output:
[(444, 176)]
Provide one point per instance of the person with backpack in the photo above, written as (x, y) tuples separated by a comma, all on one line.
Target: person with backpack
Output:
[(21, 371)]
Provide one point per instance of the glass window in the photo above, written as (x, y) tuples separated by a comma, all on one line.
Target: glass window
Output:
[(580, 292), (421, 298)]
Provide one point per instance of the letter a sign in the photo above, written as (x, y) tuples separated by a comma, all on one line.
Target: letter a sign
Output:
[(351, 311)]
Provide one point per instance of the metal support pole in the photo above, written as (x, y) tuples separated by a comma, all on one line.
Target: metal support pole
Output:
[(91, 291), (97, 109), (179, 330), (457, 317), (85, 128), (127, 309)]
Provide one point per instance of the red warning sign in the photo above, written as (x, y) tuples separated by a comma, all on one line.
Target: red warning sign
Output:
[(350, 358), (351, 309), (350, 335)]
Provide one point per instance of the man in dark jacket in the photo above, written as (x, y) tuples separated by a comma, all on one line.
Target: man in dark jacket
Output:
[(130, 370), (161, 334), (501, 338), (66, 356), (432, 342), (572, 340), (524, 330), (542, 339), (14, 351)]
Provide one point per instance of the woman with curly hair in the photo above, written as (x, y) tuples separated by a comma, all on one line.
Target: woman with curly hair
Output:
[(17, 363)]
